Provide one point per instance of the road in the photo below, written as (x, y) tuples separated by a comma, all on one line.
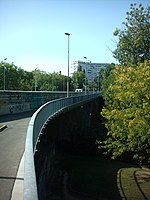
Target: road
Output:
[(12, 141)]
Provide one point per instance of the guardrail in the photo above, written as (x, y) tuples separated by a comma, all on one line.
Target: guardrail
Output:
[(34, 129)]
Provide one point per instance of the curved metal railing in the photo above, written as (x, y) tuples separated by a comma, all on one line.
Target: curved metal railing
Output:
[(34, 129)]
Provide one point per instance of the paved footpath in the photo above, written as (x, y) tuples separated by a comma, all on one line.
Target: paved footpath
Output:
[(12, 141)]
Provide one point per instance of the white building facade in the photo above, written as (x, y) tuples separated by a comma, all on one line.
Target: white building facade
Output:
[(91, 69)]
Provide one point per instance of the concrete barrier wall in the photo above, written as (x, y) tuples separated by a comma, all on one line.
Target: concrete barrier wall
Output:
[(12, 102), (15, 108)]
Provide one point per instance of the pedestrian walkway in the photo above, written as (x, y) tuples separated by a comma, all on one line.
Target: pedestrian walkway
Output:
[(12, 143)]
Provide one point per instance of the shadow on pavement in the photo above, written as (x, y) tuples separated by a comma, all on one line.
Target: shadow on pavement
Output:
[(13, 178), (11, 117)]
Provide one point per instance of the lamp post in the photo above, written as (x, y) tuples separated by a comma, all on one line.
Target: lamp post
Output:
[(85, 73), (93, 78), (4, 76), (68, 67), (35, 81)]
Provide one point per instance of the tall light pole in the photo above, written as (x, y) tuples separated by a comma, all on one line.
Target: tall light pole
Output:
[(4, 76), (93, 78), (35, 81), (68, 67), (85, 73)]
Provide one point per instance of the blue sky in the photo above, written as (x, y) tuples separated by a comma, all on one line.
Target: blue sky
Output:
[(32, 31)]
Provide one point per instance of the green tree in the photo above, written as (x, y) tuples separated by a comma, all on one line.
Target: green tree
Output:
[(78, 79), (59, 82), (11, 76), (19, 79), (40, 80), (134, 40), (127, 111), (2, 65), (49, 81), (25, 80), (104, 73), (15, 77)]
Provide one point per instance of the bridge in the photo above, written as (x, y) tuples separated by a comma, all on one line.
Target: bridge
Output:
[(50, 129), (54, 126)]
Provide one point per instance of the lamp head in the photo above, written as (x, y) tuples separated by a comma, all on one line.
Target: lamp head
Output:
[(67, 33)]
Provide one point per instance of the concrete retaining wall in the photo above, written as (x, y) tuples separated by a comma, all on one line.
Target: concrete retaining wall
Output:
[(12, 102), (15, 108)]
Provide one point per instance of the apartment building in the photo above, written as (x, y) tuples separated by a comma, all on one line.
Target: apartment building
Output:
[(91, 69)]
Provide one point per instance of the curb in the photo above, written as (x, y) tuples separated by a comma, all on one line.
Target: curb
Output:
[(17, 192), (3, 127)]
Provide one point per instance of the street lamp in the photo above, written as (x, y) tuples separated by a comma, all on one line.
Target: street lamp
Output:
[(85, 73), (93, 78), (4, 76), (68, 67), (35, 81)]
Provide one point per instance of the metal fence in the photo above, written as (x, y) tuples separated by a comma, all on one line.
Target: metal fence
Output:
[(34, 129)]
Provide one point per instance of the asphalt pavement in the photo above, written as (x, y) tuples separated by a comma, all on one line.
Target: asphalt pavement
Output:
[(12, 142)]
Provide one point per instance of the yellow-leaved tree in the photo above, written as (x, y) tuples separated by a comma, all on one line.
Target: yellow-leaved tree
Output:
[(127, 111)]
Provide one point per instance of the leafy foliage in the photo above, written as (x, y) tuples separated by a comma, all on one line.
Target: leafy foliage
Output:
[(104, 73), (78, 79), (134, 40), (127, 97), (15, 78), (50, 82), (19, 79)]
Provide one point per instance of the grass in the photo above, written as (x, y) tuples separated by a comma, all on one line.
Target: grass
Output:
[(134, 183), (1, 125)]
